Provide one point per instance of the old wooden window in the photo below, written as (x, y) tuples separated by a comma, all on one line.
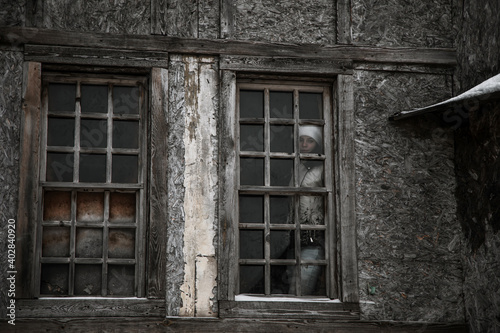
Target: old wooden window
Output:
[(92, 179), (285, 202)]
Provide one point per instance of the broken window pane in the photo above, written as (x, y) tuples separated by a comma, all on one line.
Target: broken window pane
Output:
[(251, 279), (90, 207), (121, 243), (252, 137), (62, 97), (88, 243), (55, 242), (93, 133), (88, 280), (281, 104), (61, 132), (126, 100), (121, 280), (57, 206), (59, 167), (281, 172), (125, 169), (251, 104), (251, 171), (94, 98), (54, 279), (122, 207), (251, 209), (125, 134), (311, 105), (251, 244), (282, 138), (93, 168)]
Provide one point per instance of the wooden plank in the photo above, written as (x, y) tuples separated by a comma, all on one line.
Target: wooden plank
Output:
[(344, 33), (94, 56), (408, 55), (226, 19), (182, 18), (28, 182), (159, 17), (158, 199), (345, 180), (59, 307), (34, 13)]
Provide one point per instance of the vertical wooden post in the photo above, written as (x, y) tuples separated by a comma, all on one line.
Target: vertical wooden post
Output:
[(344, 22)]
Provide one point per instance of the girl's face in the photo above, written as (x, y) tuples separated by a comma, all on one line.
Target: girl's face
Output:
[(307, 144)]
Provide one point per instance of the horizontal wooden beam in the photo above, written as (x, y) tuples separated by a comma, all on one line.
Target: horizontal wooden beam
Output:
[(17, 36)]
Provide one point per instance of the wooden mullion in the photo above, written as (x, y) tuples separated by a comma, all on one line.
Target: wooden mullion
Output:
[(77, 114), (109, 157), (105, 235), (297, 196), (267, 246), (72, 245)]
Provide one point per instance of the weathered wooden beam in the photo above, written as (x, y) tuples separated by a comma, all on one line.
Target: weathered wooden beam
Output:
[(18, 36)]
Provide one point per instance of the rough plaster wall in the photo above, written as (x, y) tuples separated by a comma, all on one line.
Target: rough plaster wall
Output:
[(11, 73), (200, 183), (114, 16), (208, 22), (292, 21), (408, 235), (12, 12), (403, 23)]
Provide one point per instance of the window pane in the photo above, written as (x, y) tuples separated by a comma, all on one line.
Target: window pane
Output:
[(282, 244), (311, 139), (93, 133), (281, 138), (59, 167), (311, 209), (90, 207), (313, 239), (121, 243), (88, 280), (311, 105), (252, 171), (252, 137), (252, 279), (121, 280), (93, 168), (125, 134), (281, 104), (61, 132), (122, 207), (55, 242), (313, 280), (281, 172), (280, 209), (281, 276), (251, 244), (62, 97), (125, 168), (251, 104), (54, 279), (311, 173), (251, 209), (126, 100), (94, 98), (57, 206), (89, 242)]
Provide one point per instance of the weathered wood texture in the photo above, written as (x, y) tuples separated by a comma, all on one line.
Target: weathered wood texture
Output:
[(478, 193), (403, 23), (344, 22), (408, 233), (11, 77), (175, 184), (125, 16), (190, 325), (12, 12), (303, 21)]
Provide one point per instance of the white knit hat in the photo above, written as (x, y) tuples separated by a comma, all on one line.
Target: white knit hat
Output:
[(313, 132)]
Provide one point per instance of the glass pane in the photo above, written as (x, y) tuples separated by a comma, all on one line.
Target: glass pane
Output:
[(281, 104), (121, 243), (251, 171), (88, 280), (54, 279), (93, 168), (89, 242), (282, 244), (280, 209), (311, 139), (57, 206), (252, 137), (252, 279), (251, 244), (281, 276), (281, 138), (59, 167), (122, 207), (251, 104), (121, 280), (313, 280), (126, 100), (55, 242), (311, 210), (90, 207), (311, 173), (62, 97), (281, 172), (311, 105), (94, 98), (61, 132), (125, 134), (93, 133), (251, 209), (125, 169), (313, 239)]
